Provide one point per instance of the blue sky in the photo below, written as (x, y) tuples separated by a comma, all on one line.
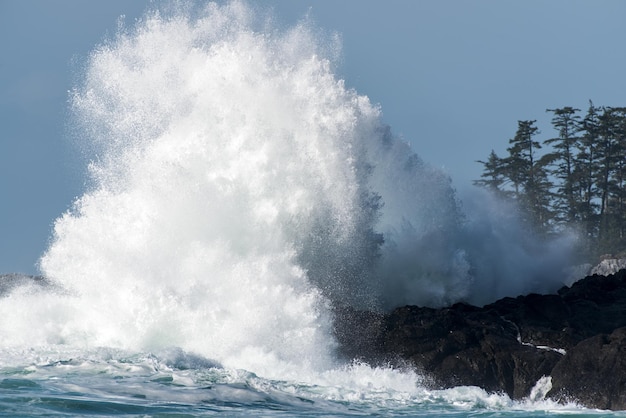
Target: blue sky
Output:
[(452, 78)]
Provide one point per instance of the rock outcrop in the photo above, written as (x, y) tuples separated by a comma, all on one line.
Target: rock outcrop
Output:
[(576, 336), (593, 372), (454, 346)]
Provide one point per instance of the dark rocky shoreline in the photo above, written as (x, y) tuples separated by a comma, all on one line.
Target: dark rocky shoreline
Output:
[(577, 338)]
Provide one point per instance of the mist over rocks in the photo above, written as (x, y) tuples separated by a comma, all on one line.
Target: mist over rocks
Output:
[(576, 337)]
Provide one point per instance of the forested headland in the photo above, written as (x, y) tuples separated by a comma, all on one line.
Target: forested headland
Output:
[(575, 180)]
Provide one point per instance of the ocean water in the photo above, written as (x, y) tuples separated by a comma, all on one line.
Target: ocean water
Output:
[(171, 383), (236, 192)]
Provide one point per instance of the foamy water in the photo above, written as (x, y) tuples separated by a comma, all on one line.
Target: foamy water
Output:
[(237, 190)]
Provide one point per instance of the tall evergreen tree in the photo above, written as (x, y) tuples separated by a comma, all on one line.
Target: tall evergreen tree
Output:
[(528, 173), (620, 171), (612, 153), (562, 160), (586, 161), (586, 169), (492, 178)]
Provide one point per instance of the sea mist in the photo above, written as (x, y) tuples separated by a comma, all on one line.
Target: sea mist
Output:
[(238, 190)]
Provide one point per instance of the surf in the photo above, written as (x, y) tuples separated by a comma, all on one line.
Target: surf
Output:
[(237, 192)]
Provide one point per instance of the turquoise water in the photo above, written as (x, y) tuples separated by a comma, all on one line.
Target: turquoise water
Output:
[(110, 382)]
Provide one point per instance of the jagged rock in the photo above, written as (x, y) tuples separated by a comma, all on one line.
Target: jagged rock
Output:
[(593, 372), (506, 346), (591, 306), (464, 345), (541, 320)]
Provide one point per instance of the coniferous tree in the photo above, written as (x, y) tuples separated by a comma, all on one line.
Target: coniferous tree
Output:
[(562, 160), (580, 182), (620, 174), (492, 178), (612, 152), (608, 153), (517, 166), (586, 169), (528, 173)]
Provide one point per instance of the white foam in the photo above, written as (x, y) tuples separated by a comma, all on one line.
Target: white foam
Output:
[(237, 188)]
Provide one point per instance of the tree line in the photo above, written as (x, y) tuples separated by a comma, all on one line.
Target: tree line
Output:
[(576, 179)]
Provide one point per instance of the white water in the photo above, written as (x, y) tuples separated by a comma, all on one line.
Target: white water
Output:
[(237, 190)]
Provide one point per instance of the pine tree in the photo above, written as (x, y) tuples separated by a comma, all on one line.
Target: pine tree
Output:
[(620, 174), (492, 177), (586, 161), (562, 160), (586, 169), (612, 152), (528, 174)]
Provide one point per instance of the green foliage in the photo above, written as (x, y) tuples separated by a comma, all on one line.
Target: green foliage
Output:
[(562, 161), (579, 182), (521, 175), (493, 177)]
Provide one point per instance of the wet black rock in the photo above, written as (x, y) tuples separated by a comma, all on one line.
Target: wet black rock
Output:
[(594, 372), (509, 345), (464, 345)]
